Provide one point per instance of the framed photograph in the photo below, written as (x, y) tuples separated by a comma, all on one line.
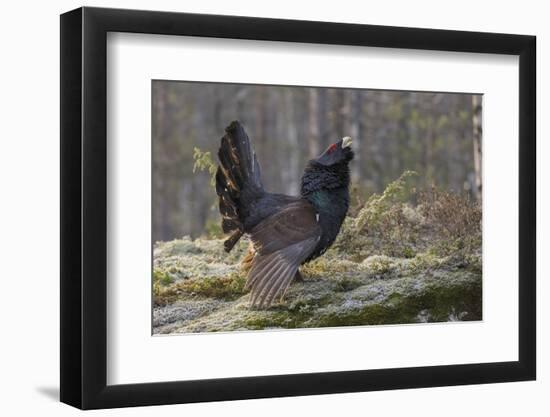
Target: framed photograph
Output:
[(257, 208)]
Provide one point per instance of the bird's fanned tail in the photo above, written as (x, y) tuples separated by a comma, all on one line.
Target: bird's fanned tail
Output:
[(238, 181)]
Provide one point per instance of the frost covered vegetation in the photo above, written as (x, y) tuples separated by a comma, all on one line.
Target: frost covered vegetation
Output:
[(403, 256)]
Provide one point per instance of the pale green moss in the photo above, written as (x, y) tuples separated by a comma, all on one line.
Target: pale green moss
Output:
[(378, 264), (226, 287)]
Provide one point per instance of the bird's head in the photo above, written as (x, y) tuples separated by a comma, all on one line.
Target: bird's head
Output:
[(336, 153)]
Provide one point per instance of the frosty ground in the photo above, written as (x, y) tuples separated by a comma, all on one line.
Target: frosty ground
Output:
[(402, 257)]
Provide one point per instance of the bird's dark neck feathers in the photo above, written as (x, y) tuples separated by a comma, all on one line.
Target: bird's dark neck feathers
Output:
[(320, 179), (327, 189)]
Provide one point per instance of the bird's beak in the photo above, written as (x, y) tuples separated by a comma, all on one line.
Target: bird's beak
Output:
[(346, 142)]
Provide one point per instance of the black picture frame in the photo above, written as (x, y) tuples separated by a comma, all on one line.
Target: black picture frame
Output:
[(84, 207)]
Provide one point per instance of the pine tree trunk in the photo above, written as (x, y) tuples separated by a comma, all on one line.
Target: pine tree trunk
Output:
[(313, 138), (354, 111), (476, 104), (292, 184)]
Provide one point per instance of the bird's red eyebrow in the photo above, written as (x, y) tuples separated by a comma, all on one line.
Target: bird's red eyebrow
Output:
[(332, 148)]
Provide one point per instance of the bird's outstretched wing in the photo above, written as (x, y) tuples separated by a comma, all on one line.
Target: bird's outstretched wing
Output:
[(282, 242)]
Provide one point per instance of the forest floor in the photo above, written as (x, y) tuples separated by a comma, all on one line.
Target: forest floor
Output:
[(397, 260)]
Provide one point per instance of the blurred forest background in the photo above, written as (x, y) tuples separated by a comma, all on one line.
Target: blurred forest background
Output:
[(437, 135)]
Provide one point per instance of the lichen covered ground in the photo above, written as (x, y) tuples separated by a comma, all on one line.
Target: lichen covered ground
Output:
[(393, 263)]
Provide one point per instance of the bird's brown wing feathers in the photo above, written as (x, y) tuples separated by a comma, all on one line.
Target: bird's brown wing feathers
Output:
[(282, 242)]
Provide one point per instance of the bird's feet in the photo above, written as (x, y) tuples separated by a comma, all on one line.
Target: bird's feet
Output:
[(246, 262)]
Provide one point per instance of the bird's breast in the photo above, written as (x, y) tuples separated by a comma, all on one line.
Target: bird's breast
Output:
[(331, 208)]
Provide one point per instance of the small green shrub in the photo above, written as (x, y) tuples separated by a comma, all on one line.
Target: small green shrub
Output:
[(204, 162), (162, 277), (213, 229), (378, 205), (402, 222)]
